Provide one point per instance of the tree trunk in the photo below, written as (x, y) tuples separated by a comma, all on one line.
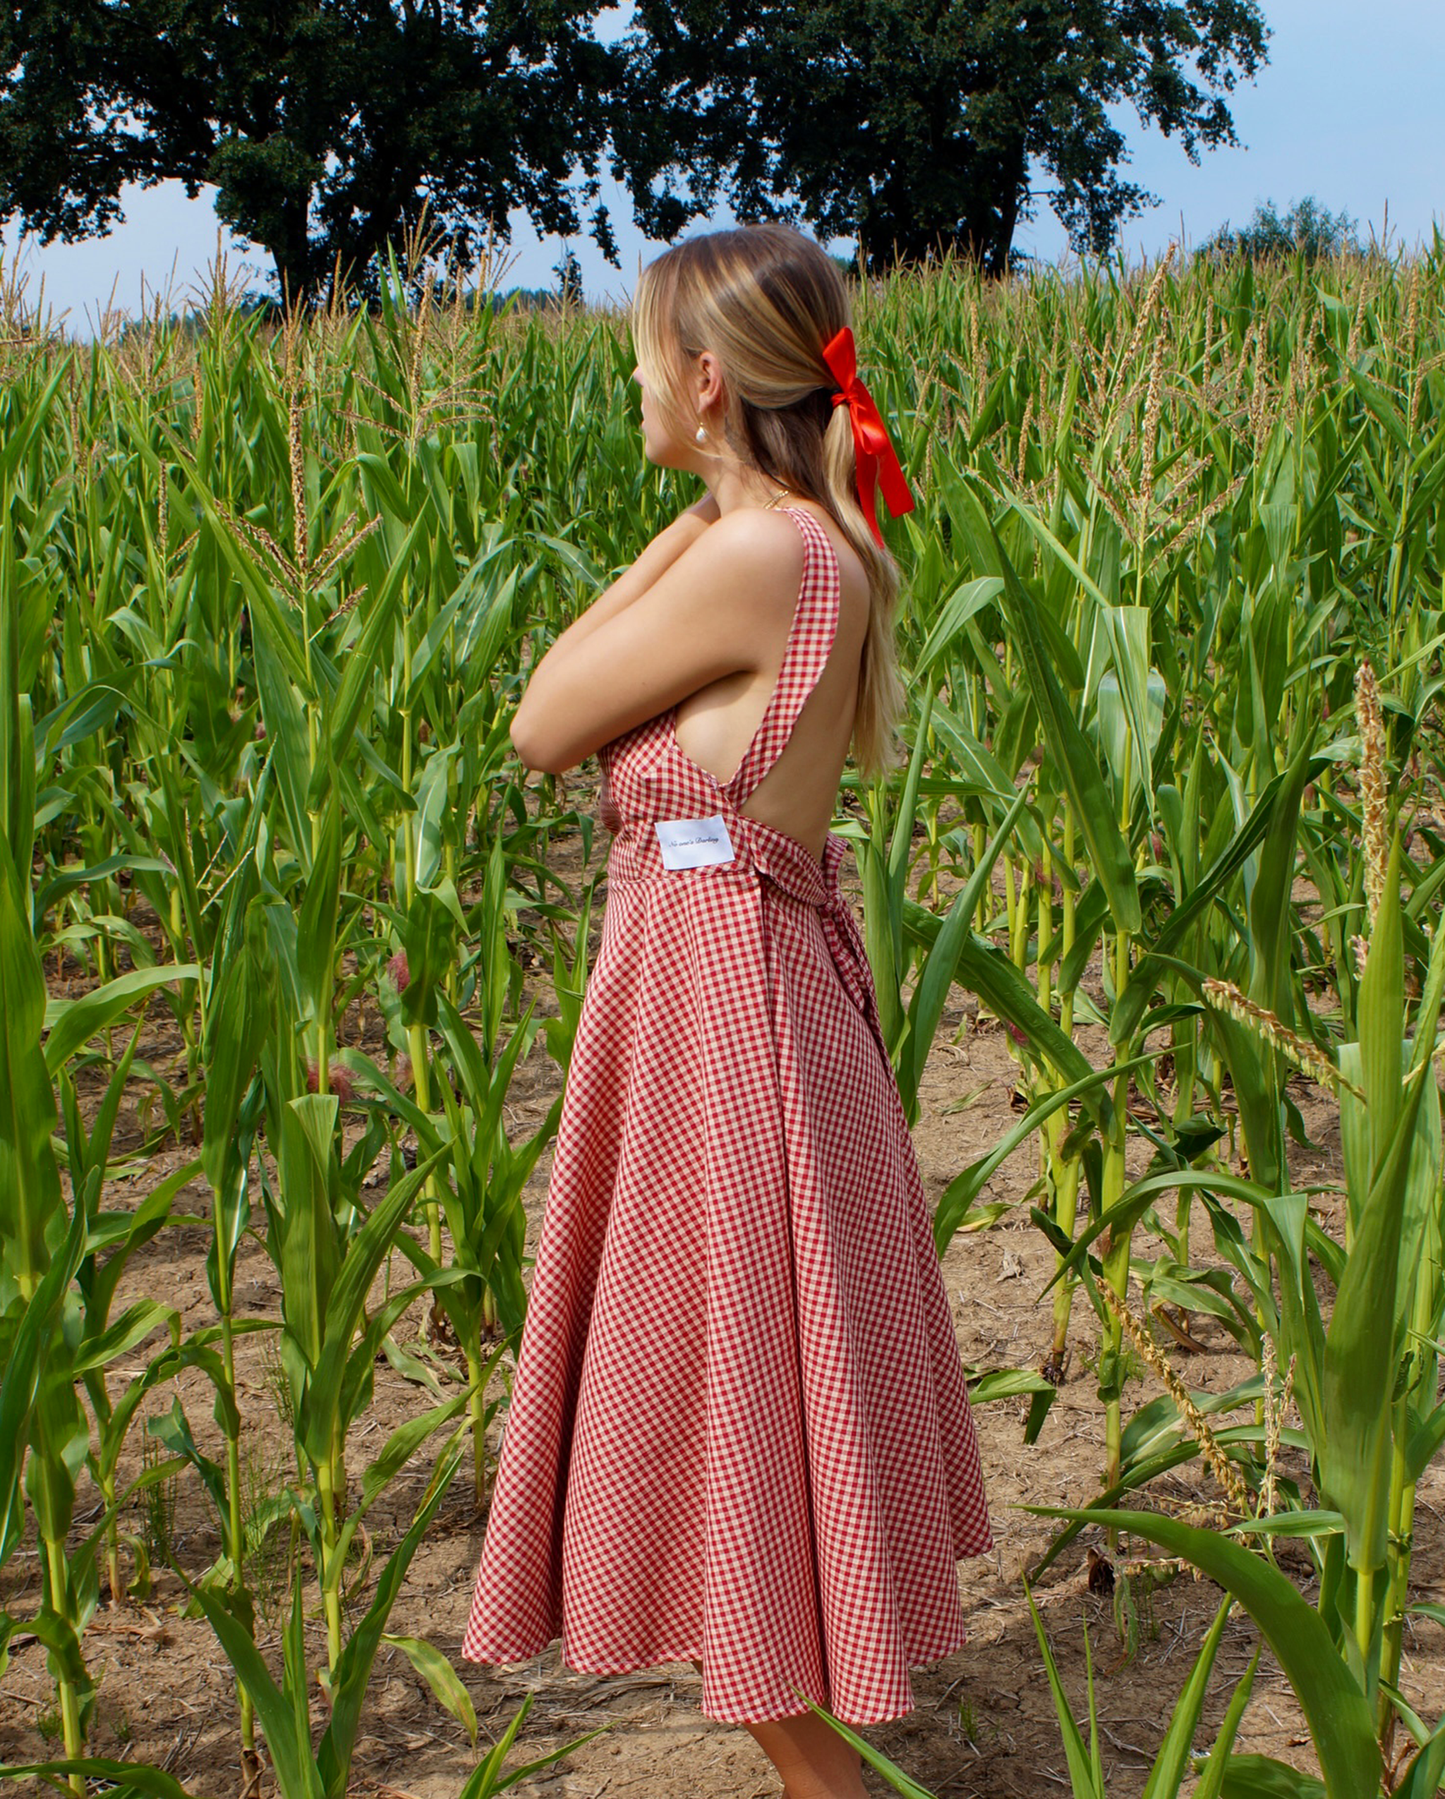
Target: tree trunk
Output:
[(294, 274), (984, 234), (1012, 178)]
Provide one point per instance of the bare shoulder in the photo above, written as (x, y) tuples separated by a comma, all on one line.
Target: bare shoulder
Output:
[(756, 557)]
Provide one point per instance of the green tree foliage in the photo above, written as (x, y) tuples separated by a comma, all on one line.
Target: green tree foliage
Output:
[(1308, 229), (326, 125), (915, 125)]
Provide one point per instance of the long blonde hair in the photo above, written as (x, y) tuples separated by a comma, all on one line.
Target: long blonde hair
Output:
[(765, 299)]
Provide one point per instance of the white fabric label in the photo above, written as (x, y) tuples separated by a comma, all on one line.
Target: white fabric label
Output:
[(693, 842)]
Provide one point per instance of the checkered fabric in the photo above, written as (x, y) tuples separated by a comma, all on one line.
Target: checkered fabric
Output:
[(738, 1429)]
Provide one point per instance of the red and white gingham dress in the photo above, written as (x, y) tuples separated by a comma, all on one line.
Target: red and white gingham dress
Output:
[(738, 1428)]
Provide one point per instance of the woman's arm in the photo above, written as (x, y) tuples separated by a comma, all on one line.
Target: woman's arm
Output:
[(713, 609), (633, 582)]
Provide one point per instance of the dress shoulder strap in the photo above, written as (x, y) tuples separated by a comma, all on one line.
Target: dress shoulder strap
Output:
[(810, 641)]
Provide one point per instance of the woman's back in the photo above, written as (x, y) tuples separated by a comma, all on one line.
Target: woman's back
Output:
[(798, 794)]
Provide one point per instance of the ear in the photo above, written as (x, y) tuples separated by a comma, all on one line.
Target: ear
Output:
[(710, 390)]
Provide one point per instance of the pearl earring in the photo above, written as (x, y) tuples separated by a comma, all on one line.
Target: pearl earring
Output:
[(701, 434)]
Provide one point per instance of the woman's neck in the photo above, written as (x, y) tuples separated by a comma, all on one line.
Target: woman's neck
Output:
[(733, 487)]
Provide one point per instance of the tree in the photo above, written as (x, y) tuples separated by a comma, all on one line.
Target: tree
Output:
[(913, 124), (326, 125), (1308, 229), (569, 278)]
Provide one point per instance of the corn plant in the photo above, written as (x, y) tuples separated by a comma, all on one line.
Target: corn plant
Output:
[(1333, 1699), (1365, 1384), (1175, 1763), (57, 1329), (906, 942), (309, 1769), (481, 1190), (328, 1253)]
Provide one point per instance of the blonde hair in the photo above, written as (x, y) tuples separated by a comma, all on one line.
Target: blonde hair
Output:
[(765, 299)]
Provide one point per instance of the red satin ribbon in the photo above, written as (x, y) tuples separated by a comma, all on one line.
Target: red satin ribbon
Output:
[(877, 460)]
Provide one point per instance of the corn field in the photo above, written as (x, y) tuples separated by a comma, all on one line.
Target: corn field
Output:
[(281, 913)]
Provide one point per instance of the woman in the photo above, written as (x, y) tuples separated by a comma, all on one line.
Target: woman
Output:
[(738, 1432)]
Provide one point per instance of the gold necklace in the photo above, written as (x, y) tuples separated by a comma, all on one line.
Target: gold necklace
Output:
[(783, 493)]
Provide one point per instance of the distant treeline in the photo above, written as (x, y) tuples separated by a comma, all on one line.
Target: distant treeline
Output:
[(327, 130)]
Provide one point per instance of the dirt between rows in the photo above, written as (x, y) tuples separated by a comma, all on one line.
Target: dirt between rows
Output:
[(984, 1724)]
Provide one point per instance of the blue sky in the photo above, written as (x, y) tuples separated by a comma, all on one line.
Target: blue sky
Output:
[(1350, 108)]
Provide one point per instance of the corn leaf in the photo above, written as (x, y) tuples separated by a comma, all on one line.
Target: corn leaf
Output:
[(1075, 762), (1340, 1720)]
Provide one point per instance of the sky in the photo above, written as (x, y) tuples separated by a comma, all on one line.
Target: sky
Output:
[(1349, 109)]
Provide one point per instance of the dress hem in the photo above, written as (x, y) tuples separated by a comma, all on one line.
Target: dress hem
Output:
[(636, 1665)]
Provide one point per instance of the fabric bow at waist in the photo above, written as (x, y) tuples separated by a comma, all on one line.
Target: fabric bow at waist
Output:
[(787, 865), (763, 853)]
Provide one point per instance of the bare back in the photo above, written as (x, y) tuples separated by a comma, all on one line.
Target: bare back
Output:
[(715, 725)]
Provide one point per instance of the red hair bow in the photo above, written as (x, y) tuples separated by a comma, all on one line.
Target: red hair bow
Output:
[(877, 459)]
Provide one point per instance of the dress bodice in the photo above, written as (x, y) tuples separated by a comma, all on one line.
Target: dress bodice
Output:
[(646, 775)]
